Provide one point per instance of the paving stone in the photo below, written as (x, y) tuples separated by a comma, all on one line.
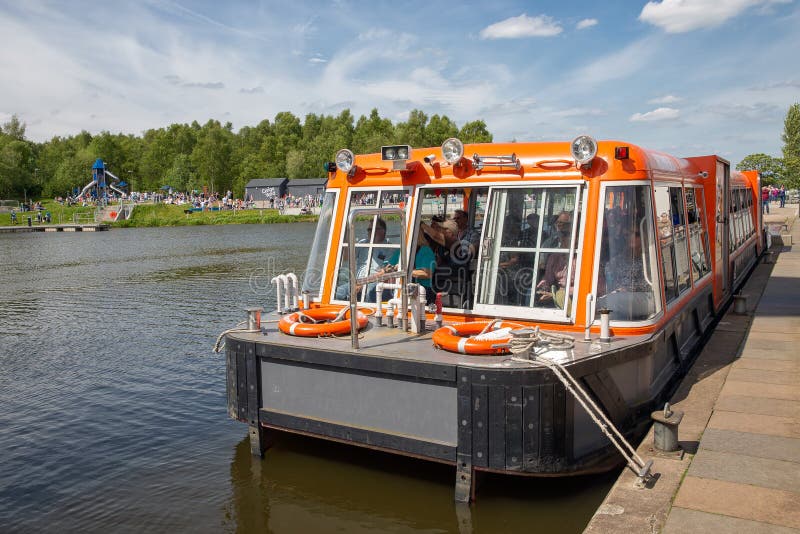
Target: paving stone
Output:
[(740, 500), (758, 405), (778, 325), (749, 444), (754, 389), (774, 353), (786, 366), (756, 424), (685, 521), (763, 376), (786, 340), (746, 469)]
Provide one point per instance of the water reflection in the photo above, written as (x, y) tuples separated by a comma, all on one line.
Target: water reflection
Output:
[(308, 485)]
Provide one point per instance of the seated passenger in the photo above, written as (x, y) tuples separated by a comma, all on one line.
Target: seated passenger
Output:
[(381, 257), (453, 275), (424, 267), (625, 272), (552, 288), (628, 294)]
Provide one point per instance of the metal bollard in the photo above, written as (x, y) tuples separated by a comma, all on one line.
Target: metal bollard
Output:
[(254, 319), (605, 330), (665, 429), (740, 304)]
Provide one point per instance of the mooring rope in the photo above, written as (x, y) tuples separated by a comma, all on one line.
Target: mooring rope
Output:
[(220, 344), (525, 342)]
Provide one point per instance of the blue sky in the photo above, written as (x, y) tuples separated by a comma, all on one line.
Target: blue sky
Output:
[(689, 77)]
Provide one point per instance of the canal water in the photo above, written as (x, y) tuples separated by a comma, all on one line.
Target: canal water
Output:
[(113, 414)]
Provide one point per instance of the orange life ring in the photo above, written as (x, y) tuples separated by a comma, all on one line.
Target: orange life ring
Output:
[(459, 338), (315, 322)]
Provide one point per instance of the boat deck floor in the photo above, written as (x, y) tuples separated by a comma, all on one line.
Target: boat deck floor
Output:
[(392, 343)]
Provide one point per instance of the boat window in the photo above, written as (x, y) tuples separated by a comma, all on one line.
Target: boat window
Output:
[(377, 242), (698, 240), (666, 242), (451, 220), (529, 249), (681, 240), (627, 277), (315, 269)]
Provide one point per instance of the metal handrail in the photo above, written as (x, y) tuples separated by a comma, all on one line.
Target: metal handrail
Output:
[(401, 273)]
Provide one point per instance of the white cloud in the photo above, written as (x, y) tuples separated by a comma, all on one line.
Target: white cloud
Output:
[(615, 66), (660, 114), (666, 99), (522, 26), (680, 16), (586, 23)]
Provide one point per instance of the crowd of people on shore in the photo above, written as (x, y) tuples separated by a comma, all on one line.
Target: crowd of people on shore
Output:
[(770, 194)]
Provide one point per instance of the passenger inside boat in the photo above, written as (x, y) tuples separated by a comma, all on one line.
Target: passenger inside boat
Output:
[(455, 241), (371, 260), (552, 289)]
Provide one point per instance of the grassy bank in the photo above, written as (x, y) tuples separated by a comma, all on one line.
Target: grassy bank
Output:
[(153, 215), (59, 214)]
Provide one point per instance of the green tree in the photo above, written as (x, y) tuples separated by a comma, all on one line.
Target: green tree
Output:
[(791, 146), (14, 128), (439, 129), (475, 132), (412, 132), (211, 156), (18, 177), (771, 169), (370, 134)]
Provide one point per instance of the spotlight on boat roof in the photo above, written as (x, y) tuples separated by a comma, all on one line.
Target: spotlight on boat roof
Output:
[(584, 149), (344, 160), (453, 150), (395, 152)]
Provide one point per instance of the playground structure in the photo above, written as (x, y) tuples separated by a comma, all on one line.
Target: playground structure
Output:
[(99, 187)]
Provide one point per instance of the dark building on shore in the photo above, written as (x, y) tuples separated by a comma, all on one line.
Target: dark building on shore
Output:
[(265, 192)]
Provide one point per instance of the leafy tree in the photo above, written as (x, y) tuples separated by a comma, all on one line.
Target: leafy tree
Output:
[(370, 134), (412, 132), (771, 169), (18, 176), (14, 128), (287, 132), (475, 132), (791, 145), (439, 129), (181, 175), (211, 156)]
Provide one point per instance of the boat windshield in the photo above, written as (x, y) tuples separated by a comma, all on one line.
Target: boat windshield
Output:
[(315, 269), (377, 242)]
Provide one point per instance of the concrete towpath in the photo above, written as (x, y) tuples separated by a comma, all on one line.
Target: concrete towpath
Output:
[(741, 428)]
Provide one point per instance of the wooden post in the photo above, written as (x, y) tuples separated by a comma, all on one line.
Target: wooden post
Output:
[(260, 440)]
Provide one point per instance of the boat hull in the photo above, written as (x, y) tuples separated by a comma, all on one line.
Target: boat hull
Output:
[(476, 413)]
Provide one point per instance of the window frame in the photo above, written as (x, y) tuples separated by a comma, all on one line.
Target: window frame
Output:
[(342, 243), (557, 315), (654, 253)]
